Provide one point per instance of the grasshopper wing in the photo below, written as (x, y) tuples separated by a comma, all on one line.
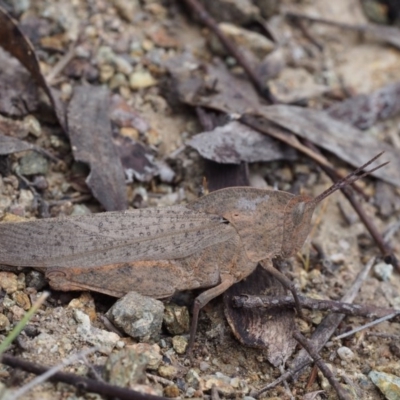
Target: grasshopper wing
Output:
[(113, 237)]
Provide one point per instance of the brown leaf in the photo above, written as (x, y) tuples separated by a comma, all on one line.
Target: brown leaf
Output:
[(90, 133), (10, 145), (251, 328), (235, 142), (364, 110), (15, 42), (18, 92), (346, 142), (218, 89)]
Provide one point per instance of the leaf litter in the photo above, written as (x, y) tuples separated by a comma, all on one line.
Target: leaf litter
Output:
[(226, 90)]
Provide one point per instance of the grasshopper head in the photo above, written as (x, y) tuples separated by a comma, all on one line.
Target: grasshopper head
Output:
[(296, 224)]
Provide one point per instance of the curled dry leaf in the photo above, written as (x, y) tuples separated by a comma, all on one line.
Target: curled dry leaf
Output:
[(235, 142), (90, 132), (364, 110), (215, 87)]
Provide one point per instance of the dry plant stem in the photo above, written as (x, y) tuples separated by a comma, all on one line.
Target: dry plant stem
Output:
[(308, 346), (287, 283), (207, 20), (367, 311), (385, 249), (82, 383), (373, 323), (322, 333), (50, 372), (61, 64)]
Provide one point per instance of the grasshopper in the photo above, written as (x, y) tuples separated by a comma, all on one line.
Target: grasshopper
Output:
[(211, 243)]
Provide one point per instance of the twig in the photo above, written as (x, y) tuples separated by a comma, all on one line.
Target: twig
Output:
[(308, 346), (322, 333), (80, 382), (367, 311), (159, 379), (373, 323), (50, 372), (207, 20), (61, 64), (385, 249)]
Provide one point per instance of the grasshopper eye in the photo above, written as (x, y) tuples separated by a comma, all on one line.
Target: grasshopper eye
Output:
[(298, 213)]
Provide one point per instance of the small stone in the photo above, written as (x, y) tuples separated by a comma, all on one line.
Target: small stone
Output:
[(141, 80), (345, 353), (138, 316), (204, 366), (225, 388), (167, 371), (176, 319), (8, 282), (383, 271), (129, 132), (40, 182), (171, 391), (33, 163), (179, 343), (153, 137), (25, 199), (193, 379), (22, 300), (253, 41), (106, 72), (126, 368), (80, 209), (4, 322), (105, 340), (127, 9), (152, 352), (388, 384), (36, 280), (86, 304), (117, 81), (32, 125)]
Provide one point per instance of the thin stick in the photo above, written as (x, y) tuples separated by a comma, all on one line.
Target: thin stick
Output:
[(359, 310), (385, 249), (308, 346), (322, 333), (207, 20), (80, 382), (50, 372), (373, 323)]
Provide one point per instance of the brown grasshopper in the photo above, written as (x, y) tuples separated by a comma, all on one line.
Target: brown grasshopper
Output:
[(211, 243)]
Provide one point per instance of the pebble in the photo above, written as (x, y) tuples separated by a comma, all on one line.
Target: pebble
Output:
[(32, 125), (252, 41), (240, 12), (8, 282), (151, 351), (105, 340), (22, 300), (179, 343), (388, 384), (127, 9), (138, 316), (25, 199), (4, 322), (193, 379), (171, 391), (222, 386), (176, 319), (126, 368), (204, 366), (141, 80), (383, 271), (167, 371), (345, 353), (33, 163)]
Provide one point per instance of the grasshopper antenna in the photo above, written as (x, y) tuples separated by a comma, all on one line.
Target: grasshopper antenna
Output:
[(349, 179)]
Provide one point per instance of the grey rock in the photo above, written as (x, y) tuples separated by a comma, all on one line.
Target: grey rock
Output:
[(388, 384), (138, 316), (33, 163), (176, 319)]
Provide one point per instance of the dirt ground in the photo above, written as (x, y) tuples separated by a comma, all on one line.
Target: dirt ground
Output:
[(126, 46)]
